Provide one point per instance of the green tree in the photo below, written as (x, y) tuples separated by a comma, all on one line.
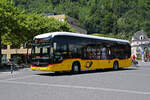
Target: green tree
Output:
[(18, 27), (30, 25), (8, 17), (100, 16)]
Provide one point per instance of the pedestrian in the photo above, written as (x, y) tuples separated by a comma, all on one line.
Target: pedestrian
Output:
[(133, 57), (11, 66), (147, 56), (134, 61)]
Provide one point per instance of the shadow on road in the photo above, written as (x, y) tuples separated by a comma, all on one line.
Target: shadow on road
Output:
[(84, 72), (4, 69), (8, 68)]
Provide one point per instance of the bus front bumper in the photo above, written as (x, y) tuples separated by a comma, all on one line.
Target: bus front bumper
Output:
[(35, 68)]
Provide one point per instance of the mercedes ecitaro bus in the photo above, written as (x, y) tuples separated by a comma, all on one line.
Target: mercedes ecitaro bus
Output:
[(66, 51)]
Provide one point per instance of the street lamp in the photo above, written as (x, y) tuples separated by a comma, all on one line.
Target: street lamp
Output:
[(26, 45)]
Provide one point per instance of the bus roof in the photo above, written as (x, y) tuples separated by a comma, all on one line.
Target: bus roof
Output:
[(53, 34)]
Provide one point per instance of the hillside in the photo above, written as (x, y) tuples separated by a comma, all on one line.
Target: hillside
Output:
[(121, 17)]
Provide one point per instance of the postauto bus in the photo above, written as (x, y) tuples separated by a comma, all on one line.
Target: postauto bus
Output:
[(66, 51)]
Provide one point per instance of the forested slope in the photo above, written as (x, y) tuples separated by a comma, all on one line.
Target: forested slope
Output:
[(119, 17)]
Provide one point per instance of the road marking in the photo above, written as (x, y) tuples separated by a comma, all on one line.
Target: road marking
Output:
[(78, 87), (134, 74), (17, 78), (4, 73)]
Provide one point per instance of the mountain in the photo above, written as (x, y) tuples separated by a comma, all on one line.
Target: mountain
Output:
[(118, 17)]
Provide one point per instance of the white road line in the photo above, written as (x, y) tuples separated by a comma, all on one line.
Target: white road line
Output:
[(4, 74), (17, 78), (78, 87), (133, 74)]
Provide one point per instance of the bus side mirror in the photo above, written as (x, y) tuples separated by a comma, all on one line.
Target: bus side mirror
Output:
[(54, 46), (27, 44)]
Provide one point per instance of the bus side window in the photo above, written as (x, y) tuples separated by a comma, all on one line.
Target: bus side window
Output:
[(88, 52), (75, 47), (98, 53), (114, 51), (72, 50), (61, 50), (85, 53), (104, 53)]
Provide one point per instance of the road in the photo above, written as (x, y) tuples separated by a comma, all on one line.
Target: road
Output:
[(126, 84)]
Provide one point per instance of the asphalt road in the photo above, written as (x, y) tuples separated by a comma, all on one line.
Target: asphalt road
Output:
[(126, 84)]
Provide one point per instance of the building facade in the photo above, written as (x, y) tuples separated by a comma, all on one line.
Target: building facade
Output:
[(10, 52), (140, 45), (72, 21)]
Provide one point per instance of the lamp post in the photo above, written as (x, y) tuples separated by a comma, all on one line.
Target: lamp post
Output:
[(26, 46)]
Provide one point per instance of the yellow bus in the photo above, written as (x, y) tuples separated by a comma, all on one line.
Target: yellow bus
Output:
[(66, 51)]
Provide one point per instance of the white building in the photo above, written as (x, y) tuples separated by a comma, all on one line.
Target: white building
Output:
[(139, 43)]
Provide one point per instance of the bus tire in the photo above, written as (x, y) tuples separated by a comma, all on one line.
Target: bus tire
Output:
[(115, 65), (76, 67)]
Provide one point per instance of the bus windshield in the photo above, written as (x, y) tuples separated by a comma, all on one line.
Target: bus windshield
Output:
[(41, 50), (42, 47)]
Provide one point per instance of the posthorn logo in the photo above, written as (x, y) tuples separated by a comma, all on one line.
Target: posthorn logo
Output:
[(88, 64)]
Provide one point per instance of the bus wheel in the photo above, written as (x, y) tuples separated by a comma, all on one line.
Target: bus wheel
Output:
[(116, 65), (76, 67)]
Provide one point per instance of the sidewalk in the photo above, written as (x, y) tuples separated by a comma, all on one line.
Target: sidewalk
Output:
[(140, 63), (4, 70), (8, 69)]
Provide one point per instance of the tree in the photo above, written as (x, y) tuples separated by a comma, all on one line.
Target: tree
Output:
[(18, 27), (8, 17), (100, 16), (30, 25)]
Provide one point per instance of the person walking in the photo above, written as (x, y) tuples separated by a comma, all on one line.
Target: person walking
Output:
[(147, 57), (134, 61)]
